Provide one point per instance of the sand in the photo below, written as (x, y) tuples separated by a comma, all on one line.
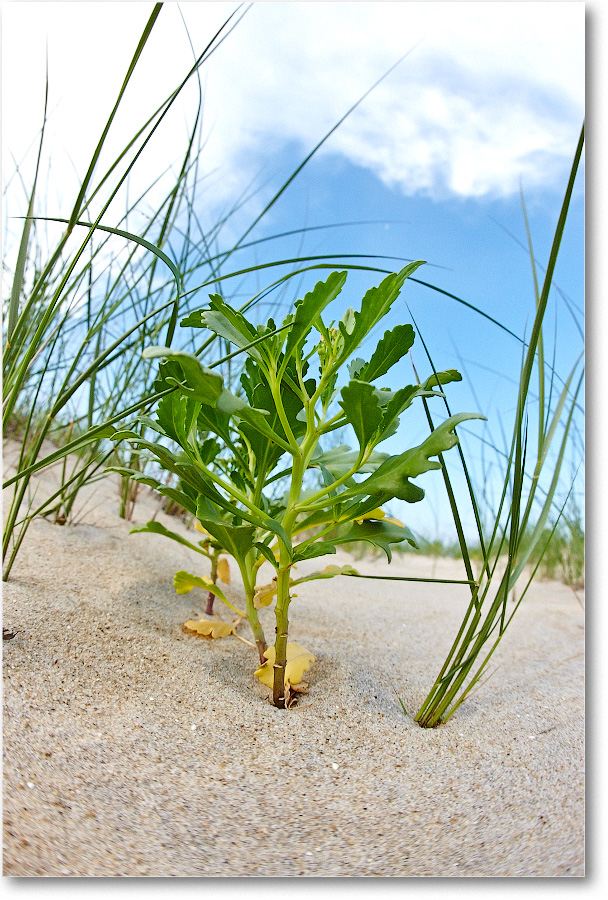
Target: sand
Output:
[(134, 749)]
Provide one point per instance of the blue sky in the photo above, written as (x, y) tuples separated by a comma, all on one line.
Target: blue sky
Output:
[(490, 96)]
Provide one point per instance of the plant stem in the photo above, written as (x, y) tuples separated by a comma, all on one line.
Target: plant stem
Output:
[(211, 596), (285, 561), (248, 575), (280, 646)]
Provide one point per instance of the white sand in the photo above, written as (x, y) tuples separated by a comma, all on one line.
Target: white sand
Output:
[(131, 748)]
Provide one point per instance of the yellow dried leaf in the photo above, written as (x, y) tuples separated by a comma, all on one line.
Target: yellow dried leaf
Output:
[(210, 629), (202, 530), (338, 570), (223, 570), (298, 661), (395, 522), (327, 572), (264, 594), (373, 514)]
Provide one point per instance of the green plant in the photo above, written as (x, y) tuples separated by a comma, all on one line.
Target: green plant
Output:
[(292, 401)]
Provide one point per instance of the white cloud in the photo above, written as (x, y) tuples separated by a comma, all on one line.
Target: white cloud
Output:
[(491, 91)]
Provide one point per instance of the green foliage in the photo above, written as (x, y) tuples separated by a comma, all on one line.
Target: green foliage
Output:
[(232, 449)]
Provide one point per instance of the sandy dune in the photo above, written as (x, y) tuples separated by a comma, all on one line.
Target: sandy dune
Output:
[(132, 748)]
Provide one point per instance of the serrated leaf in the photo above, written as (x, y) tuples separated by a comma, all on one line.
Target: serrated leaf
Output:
[(200, 382), (210, 629), (229, 324), (223, 570), (355, 366), (391, 348), (362, 410), (400, 400), (312, 551), (374, 306), (379, 534), (184, 582), (340, 460), (213, 420), (176, 415), (237, 540), (309, 308), (391, 479), (298, 661)]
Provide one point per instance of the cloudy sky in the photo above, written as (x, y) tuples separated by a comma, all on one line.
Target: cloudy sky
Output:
[(490, 93), (488, 97)]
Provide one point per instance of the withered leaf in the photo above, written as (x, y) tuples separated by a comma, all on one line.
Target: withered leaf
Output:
[(210, 629), (298, 661), (264, 594), (223, 570)]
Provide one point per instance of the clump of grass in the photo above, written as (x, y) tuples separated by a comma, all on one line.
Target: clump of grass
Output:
[(86, 297), (515, 536), (560, 554)]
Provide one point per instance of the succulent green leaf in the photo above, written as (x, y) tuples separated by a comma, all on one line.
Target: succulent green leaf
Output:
[(398, 402), (327, 572), (186, 471), (339, 460), (207, 512), (392, 347), (176, 415), (309, 309), (355, 366), (361, 407), (215, 421), (320, 548), (230, 324), (237, 540), (136, 475), (267, 552), (391, 479), (379, 534), (181, 497), (150, 423), (374, 306), (441, 378), (251, 376), (202, 383)]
